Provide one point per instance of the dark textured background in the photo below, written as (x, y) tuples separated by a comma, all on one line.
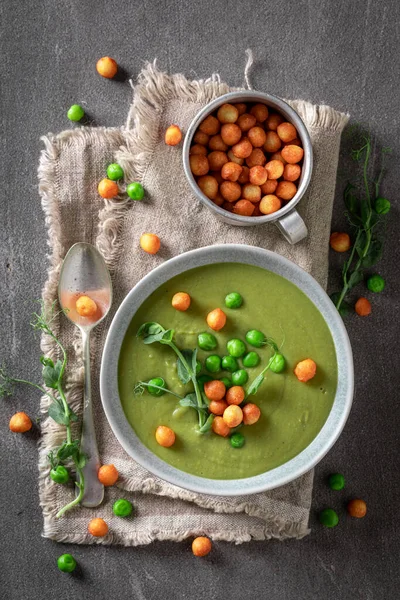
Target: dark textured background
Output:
[(345, 54)]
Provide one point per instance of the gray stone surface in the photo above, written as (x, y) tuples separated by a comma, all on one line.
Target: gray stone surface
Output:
[(342, 53)]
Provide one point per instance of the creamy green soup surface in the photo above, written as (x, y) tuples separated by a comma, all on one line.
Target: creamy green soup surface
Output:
[(292, 413)]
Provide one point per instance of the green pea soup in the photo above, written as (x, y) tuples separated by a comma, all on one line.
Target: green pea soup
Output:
[(292, 413)]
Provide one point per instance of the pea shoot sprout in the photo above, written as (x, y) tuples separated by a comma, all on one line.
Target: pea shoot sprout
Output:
[(364, 210), (59, 409)]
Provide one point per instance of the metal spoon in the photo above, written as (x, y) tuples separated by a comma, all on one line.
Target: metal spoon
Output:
[(84, 272)]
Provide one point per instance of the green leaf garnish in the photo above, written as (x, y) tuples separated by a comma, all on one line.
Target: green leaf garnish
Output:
[(154, 332), (190, 400), (345, 308), (46, 361), (373, 255), (207, 425), (59, 409), (57, 413), (254, 386), (52, 374), (361, 214), (190, 359)]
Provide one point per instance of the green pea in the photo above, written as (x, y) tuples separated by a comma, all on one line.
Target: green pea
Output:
[(229, 363), (240, 377), (198, 367), (213, 363), (115, 172), (328, 517), (153, 390), (233, 300), (227, 382), (207, 341), (255, 338), (66, 563), (237, 440), (135, 191), (336, 481), (60, 474), (202, 380), (382, 206), (122, 508), (252, 359), (236, 348), (278, 363), (75, 112), (376, 283)]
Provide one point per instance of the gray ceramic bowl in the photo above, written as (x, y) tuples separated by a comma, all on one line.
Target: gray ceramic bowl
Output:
[(292, 469), (287, 219)]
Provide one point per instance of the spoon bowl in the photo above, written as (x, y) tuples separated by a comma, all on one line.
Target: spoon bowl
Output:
[(84, 273)]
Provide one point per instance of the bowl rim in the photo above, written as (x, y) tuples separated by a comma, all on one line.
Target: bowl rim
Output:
[(293, 117), (292, 469)]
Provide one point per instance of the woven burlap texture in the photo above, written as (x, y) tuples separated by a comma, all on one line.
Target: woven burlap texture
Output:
[(71, 166)]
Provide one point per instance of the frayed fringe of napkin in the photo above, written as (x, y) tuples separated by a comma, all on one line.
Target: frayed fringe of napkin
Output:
[(237, 536)]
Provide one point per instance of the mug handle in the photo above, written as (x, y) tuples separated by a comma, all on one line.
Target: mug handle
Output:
[(292, 227)]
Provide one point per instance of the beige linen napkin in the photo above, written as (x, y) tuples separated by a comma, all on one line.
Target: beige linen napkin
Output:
[(71, 165)]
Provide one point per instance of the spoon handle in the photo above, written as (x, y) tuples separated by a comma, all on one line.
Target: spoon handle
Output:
[(94, 490)]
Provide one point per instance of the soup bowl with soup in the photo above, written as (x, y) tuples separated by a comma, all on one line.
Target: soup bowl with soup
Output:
[(206, 341)]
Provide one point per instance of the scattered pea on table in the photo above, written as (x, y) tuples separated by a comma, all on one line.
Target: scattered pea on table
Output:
[(75, 112), (115, 172), (135, 190), (66, 563), (376, 283), (122, 508), (336, 481), (328, 517)]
